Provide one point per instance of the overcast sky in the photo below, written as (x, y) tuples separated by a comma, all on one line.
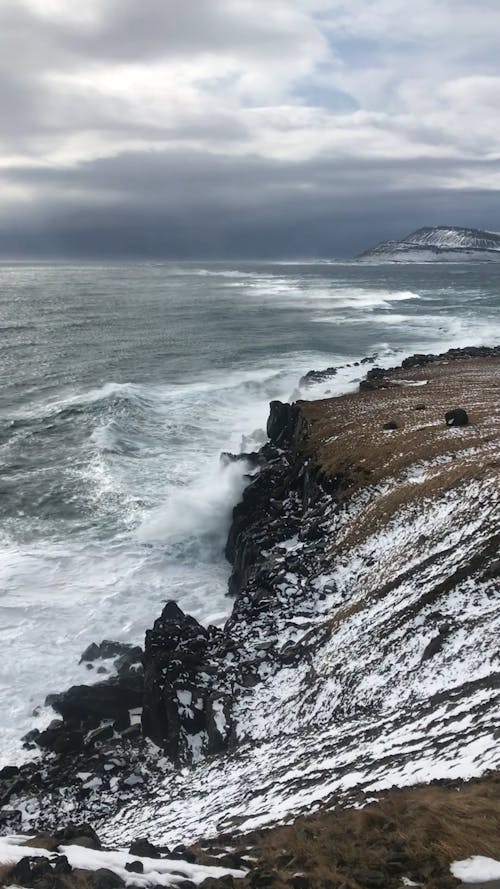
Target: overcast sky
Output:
[(257, 128)]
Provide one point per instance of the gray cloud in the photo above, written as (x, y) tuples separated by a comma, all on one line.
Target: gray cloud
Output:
[(178, 205), (238, 128)]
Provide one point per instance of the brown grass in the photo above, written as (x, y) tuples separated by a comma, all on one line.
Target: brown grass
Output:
[(5, 872), (346, 438), (415, 833), (346, 433)]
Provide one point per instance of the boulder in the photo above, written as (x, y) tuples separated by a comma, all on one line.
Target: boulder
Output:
[(135, 867), (434, 645), (183, 853), (8, 772), (9, 788), (30, 870), (86, 705), (391, 424), (457, 417), (73, 834), (144, 849), (129, 661), (105, 649), (58, 739), (98, 735), (131, 733), (105, 879), (43, 840), (61, 865)]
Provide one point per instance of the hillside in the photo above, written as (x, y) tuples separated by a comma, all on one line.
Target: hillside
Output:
[(361, 652), (439, 244)]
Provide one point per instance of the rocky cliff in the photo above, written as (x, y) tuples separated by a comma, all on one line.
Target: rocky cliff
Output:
[(361, 651)]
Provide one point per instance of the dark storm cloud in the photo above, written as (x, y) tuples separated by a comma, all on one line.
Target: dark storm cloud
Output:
[(178, 205), (238, 128)]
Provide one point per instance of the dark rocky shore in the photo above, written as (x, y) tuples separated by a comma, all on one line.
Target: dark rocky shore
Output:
[(187, 689)]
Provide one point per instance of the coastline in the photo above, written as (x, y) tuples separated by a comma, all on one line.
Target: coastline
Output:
[(321, 546)]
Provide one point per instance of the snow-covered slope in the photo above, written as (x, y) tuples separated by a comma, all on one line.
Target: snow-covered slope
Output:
[(439, 243)]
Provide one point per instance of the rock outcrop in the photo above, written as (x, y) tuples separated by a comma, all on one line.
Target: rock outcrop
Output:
[(183, 713)]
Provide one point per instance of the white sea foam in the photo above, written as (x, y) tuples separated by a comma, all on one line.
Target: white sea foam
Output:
[(199, 512)]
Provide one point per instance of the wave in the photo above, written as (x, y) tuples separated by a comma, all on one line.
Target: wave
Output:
[(183, 272), (196, 517), (286, 291)]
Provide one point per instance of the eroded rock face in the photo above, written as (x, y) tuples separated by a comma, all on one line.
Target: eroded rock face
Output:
[(284, 423), (183, 714)]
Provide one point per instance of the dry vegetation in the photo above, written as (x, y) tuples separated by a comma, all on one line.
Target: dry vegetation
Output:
[(347, 438), (415, 833), (347, 435)]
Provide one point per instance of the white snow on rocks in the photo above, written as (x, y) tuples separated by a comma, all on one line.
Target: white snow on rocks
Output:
[(157, 872)]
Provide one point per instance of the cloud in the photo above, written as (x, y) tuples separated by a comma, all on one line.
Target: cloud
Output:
[(119, 117)]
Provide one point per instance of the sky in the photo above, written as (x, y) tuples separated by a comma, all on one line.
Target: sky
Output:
[(244, 128)]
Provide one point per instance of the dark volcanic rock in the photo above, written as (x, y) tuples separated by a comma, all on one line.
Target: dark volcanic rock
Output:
[(130, 662), (178, 701), (98, 735), (419, 360), (391, 424), (434, 645), (62, 865), (30, 870), (90, 703), (283, 424), (456, 417), (135, 867), (105, 649), (317, 376), (8, 772), (59, 739), (10, 819), (75, 833), (144, 849), (105, 879), (253, 458), (280, 539)]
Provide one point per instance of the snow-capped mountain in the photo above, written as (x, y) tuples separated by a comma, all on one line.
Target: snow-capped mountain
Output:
[(439, 243)]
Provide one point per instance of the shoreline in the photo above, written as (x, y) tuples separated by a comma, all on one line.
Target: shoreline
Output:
[(301, 517)]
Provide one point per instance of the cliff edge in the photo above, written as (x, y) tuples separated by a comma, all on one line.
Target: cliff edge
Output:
[(361, 652)]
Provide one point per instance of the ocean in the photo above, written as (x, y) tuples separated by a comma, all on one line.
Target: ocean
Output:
[(120, 386)]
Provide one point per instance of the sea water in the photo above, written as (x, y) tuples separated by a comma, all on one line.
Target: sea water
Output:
[(121, 385)]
